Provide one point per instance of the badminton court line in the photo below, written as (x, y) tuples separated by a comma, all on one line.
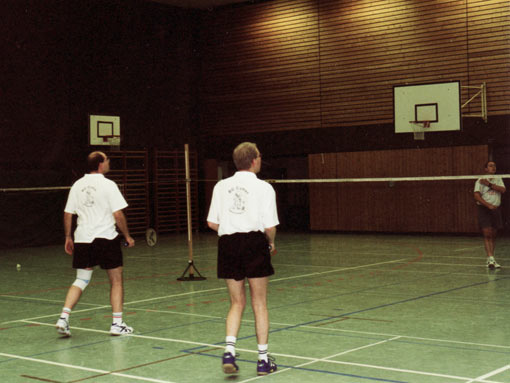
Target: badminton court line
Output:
[(314, 274), (88, 369), (325, 359), (328, 329), (310, 359), (492, 373), (42, 300)]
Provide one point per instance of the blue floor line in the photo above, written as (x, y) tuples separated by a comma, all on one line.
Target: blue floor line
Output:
[(280, 366), (365, 310)]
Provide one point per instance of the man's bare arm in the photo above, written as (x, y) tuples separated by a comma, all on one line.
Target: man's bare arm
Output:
[(213, 226), (271, 235), (68, 227), (121, 221)]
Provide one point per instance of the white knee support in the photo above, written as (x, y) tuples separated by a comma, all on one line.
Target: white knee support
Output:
[(83, 277)]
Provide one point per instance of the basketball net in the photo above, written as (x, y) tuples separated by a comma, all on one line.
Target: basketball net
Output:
[(113, 142), (418, 127)]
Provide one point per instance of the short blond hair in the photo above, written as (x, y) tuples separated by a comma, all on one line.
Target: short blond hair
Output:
[(244, 154)]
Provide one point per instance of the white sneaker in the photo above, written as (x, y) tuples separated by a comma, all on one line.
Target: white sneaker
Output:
[(63, 327), (120, 329), (492, 264)]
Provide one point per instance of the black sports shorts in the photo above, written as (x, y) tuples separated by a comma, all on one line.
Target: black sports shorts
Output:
[(489, 218), (106, 253), (244, 255)]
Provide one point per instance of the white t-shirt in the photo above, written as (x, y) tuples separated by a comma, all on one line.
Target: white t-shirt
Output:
[(243, 203), (489, 195), (94, 199)]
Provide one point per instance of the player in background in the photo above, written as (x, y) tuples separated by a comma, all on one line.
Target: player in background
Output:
[(488, 192)]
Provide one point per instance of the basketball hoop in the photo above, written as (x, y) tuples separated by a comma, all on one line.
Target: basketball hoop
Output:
[(112, 141), (115, 143), (418, 129)]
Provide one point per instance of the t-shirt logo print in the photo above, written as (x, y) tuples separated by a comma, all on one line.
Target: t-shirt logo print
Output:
[(239, 200), (89, 196)]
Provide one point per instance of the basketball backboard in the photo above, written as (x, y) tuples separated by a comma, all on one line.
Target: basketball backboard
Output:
[(104, 130), (427, 107)]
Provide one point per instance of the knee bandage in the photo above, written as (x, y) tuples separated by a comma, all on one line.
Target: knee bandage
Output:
[(83, 277)]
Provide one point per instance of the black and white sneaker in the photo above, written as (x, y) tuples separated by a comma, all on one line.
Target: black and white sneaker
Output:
[(120, 329), (63, 327), (492, 264)]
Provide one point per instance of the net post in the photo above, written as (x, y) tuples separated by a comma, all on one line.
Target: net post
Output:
[(191, 266)]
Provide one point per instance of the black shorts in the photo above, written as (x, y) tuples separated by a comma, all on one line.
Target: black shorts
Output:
[(106, 253), (244, 255), (489, 218)]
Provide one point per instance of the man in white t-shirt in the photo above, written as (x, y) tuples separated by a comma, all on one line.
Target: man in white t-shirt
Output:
[(488, 192), (243, 212), (98, 203)]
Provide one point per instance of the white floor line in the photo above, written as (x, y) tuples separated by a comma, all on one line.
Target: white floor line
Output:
[(310, 359), (470, 248), (42, 299), (327, 329), (161, 339), (95, 370), (211, 290), (409, 337), (413, 372), (488, 375), (481, 264), (337, 270), (54, 315), (322, 359)]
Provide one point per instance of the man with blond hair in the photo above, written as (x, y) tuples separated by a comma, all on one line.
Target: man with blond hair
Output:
[(243, 212)]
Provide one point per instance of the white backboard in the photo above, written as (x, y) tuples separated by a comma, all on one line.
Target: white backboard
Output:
[(104, 130), (439, 104)]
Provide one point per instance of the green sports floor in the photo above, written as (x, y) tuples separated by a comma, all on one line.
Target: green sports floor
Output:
[(343, 308)]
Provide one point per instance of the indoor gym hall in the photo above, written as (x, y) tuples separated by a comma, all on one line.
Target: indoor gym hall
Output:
[(314, 84)]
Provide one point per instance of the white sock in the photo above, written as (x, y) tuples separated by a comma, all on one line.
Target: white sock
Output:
[(263, 352), (231, 345), (65, 313), (117, 318)]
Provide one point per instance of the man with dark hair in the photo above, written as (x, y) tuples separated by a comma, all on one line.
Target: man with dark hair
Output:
[(98, 203), (488, 192), (243, 212)]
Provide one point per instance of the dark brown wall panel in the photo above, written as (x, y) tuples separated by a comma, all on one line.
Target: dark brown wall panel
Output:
[(400, 206), (366, 48), (261, 68), (324, 196)]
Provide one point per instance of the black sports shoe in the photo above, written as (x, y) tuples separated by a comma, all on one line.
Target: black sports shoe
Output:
[(229, 364), (264, 368)]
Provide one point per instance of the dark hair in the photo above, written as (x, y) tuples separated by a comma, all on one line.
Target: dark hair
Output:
[(244, 154), (488, 162), (93, 161)]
